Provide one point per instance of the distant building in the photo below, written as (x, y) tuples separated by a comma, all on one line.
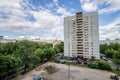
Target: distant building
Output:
[(55, 42), (42, 42), (81, 35), (1, 37), (108, 41), (7, 40)]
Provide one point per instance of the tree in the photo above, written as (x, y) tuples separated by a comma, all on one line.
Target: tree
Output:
[(40, 54), (50, 53), (60, 47), (9, 64), (116, 59), (110, 52), (26, 53), (103, 48), (114, 46)]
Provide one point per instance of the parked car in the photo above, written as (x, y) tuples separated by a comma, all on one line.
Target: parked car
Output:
[(63, 62)]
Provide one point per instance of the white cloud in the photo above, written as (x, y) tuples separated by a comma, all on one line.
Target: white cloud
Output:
[(111, 30), (55, 1), (11, 3), (21, 37), (94, 5), (113, 6), (91, 5), (63, 11), (45, 19), (32, 37)]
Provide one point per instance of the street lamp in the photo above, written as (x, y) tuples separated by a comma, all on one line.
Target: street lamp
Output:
[(68, 67)]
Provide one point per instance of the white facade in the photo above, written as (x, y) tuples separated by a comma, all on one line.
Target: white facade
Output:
[(81, 35)]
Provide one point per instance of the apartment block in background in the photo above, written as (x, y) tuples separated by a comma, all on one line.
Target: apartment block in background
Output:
[(55, 42), (1, 37), (81, 35), (108, 41)]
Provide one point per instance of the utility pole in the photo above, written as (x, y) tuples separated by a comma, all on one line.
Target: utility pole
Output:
[(68, 67)]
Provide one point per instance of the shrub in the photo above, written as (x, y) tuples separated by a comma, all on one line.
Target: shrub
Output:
[(93, 64), (104, 65), (99, 65)]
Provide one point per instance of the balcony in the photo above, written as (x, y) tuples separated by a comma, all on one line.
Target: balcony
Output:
[(79, 37), (79, 29), (80, 54), (78, 23), (78, 18), (79, 48), (79, 34)]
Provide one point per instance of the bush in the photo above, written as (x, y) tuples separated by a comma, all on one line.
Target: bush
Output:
[(104, 65), (93, 64), (116, 71), (99, 65)]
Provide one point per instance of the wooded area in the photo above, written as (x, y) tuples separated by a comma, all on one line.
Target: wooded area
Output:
[(112, 50), (15, 55)]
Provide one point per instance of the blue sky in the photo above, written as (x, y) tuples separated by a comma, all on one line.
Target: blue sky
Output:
[(43, 19)]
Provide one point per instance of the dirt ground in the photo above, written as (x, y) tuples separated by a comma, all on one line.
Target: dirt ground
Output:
[(61, 73)]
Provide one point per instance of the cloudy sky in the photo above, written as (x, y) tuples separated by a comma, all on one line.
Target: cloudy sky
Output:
[(44, 18)]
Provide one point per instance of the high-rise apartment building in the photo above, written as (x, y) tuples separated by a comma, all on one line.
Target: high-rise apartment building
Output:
[(81, 35), (1, 37)]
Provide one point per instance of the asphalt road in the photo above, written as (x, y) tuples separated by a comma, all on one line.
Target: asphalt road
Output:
[(58, 56), (104, 57)]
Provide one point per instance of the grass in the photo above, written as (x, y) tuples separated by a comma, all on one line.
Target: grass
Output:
[(64, 58), (14, 78), (76, 64), (116, 71)]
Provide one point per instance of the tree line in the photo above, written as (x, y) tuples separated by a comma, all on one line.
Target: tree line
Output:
[(112, 50), (14, 55)]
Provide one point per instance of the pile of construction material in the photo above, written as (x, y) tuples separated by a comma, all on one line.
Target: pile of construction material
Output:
[(51, 69), (46, 70)]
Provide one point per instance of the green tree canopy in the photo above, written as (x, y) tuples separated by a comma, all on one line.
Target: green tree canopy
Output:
[(110, 52), (116, 58), (9, 64)]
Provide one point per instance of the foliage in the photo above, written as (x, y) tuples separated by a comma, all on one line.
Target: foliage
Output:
[(93, 64), (116, 71), (110, 49), (116, 58), (9, 64), (99, 65), (60, 47), (76, 64), (110, 52), (114, 46), (103, 48), (64, 58), (25, 52), (104, 65), (50, 53)]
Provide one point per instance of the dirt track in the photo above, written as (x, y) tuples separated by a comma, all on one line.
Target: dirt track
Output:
[(76, 73)]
